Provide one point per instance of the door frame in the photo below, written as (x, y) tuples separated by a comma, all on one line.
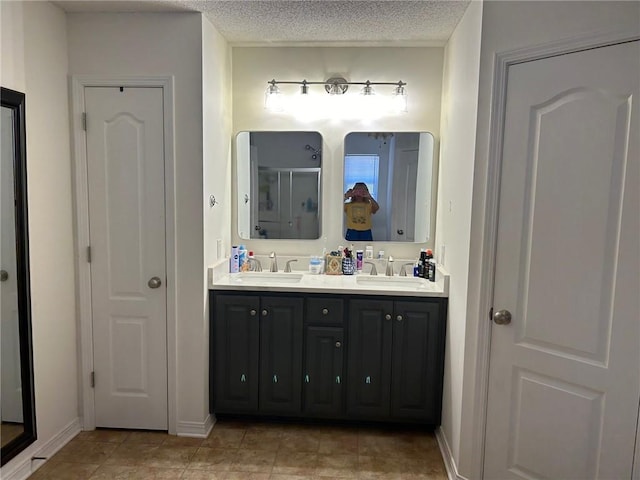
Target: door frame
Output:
[(81, 213), (476, 366)]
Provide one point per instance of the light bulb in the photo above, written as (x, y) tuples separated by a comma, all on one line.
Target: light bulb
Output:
[(400, 99), (273, 98)]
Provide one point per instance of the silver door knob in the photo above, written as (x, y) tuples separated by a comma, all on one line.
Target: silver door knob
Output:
[(154, 282), (387, 317), (502, 317), (4, 275)]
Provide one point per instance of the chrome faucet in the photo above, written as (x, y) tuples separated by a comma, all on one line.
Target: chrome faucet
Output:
[(287, 267), (403, 269), (254, 265), (274, 262), (389, 272), (373, 268)]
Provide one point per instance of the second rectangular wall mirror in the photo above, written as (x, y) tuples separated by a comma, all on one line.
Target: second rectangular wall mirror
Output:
[(398, 170), (279, 178)]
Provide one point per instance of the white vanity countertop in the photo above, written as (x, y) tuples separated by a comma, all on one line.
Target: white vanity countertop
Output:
[(302, 281)]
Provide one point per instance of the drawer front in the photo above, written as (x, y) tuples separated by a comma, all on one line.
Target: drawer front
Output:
[(324, 311)]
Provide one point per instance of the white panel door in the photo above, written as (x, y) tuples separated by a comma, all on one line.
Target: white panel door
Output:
[(125, 157), (564, 381), (405, 174)]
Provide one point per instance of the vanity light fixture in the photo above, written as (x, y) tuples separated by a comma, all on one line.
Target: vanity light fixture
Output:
[(273, 98), (334, 86)]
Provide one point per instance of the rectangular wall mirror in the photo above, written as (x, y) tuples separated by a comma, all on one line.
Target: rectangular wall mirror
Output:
[(279, 178), (398, 171), (17, 404)]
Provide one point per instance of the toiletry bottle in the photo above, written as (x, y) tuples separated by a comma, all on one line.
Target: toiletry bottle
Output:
[(422, 264), (431, 266), (234, 265), (242, 258), (368, 252), (359, 255)]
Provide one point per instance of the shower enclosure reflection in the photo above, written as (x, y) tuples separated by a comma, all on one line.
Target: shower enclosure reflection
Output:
[(279, 176)]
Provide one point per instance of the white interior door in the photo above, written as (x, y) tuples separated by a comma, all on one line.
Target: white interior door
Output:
[(405, 174), (564, 384), (125, 160)]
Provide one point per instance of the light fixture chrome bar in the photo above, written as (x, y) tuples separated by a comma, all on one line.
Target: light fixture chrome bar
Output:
[(329, 83)]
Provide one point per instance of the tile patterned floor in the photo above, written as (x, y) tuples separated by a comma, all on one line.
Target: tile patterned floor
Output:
[(250, 451)]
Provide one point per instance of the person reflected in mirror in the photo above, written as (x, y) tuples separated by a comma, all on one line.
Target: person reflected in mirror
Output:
[(359, 207)]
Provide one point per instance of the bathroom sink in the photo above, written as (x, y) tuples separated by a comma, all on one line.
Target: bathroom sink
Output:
[(267, 278), (402, 282)]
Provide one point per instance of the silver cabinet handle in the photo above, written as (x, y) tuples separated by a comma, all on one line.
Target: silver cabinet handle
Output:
[(367, 379), (252, 313), (325, 311), (502, 317), (338, 344), (264, 313), (154, 282), (275, 379), (338, 379), (399, 318), (387, 317), (243, 378), (306, 379)]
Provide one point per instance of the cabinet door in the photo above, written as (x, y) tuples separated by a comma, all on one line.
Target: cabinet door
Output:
[(235, 340), (281, 355), (323, 378), (369, 358), (416, 366)]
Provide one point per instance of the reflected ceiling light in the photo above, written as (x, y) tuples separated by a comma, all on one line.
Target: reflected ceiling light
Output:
[(334, 86)]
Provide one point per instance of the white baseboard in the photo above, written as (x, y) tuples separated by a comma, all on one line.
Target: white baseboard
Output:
[(196, 429), (35, 456), (447, 456)]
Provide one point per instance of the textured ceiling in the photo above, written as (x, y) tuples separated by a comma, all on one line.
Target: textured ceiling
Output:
[(316, 22)]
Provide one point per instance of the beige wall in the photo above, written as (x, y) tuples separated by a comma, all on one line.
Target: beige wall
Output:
[(458, 127), (507, 26), (421, 68), (165, 44), (34, 61), (216, 96)]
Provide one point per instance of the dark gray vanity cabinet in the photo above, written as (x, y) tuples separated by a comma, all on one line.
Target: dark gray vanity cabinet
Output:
[(362, 357), (417, 362), (395, 360), (280, 355), (369, 358), (257, 356), (234, 358), (323, 363)]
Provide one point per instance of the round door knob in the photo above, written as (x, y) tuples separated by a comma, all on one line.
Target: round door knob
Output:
[(264, 313), (154, 282), (253, 313), (399, 318), (400, 231), (338, 344), (502, 317), (4, 275), (387, 317), (325, 311)]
